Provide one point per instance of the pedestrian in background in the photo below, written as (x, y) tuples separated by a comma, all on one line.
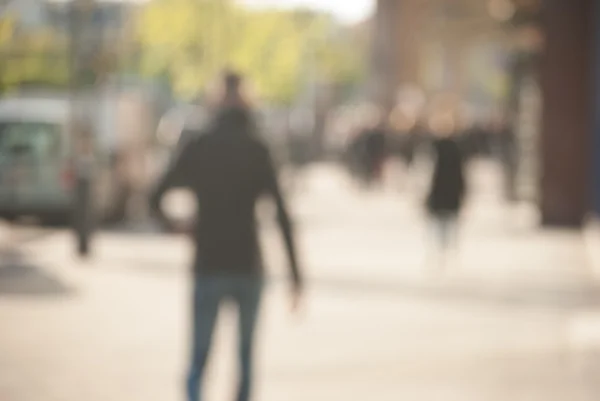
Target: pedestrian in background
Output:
[(228, 169), (83, 208), (447, 187), (370, 148)]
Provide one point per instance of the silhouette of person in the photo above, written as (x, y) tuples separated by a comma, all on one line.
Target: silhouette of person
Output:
[(83, 216), (369, 148), (375, 148), (447, 188), (228, 169)]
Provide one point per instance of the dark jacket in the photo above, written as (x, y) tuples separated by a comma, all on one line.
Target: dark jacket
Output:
[(448, 182), (375, 144), (228, 169)]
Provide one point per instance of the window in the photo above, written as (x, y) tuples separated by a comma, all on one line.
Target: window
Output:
[(39, 141)]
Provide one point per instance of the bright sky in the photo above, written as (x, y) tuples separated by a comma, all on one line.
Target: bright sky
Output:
[(346, 10)]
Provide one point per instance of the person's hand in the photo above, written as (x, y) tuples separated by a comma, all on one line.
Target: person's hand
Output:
[(183, 229), (297, 295)]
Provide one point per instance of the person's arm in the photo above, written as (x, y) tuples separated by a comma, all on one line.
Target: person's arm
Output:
[(285, 223), (462, 162), (176, 176)]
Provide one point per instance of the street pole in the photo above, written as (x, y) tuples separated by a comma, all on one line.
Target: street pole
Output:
[(84, 45)]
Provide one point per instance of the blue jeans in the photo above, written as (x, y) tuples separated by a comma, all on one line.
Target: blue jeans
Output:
[(209, 293), (446, 225)]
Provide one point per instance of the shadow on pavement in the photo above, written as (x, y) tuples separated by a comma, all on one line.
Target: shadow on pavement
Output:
[(19, 277)]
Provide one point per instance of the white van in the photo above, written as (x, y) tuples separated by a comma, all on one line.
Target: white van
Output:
[(36, 164)]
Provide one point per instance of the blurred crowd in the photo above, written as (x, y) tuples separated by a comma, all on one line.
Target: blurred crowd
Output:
[(406, 132)]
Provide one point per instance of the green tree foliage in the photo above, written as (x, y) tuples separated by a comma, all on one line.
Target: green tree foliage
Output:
[(38, 57), (7, 28), (192, 40)]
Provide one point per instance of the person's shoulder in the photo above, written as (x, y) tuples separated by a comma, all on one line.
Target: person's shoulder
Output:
[(189, 136), (192, 141)]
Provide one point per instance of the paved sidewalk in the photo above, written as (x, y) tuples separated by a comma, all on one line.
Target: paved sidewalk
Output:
[(517, 318), (498, 243)]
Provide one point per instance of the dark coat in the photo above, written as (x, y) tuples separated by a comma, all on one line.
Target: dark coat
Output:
[(229, 169), (447, 188)]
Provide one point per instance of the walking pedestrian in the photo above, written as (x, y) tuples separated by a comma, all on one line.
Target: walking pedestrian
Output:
[(228, 169), (83, 216), (447, 188), (371, 148)]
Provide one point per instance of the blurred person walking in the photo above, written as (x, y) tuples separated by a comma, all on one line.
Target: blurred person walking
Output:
[(369, 148), (228, 169), (375, 147), (83, 216), (353, 156), (447, 188)]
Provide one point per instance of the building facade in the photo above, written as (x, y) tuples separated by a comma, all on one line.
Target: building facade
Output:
[(567, 68)]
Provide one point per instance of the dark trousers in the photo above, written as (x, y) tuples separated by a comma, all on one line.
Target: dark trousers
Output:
[(209, 294), (83, 215)]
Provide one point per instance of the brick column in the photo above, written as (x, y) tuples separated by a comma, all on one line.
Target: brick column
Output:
[(383, 74), (596, 145), (566, 80), (395, 48), (408, 36)]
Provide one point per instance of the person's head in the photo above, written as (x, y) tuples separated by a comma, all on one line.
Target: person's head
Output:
[(443, 124), (402, 120), (227, 91), (446, 115), (233, 112), (232, 90), (233, 81)]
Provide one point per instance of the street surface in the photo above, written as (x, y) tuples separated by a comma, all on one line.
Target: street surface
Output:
[(515, 317)]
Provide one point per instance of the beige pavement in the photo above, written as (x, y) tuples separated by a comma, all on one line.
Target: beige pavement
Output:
[(516, 318)]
